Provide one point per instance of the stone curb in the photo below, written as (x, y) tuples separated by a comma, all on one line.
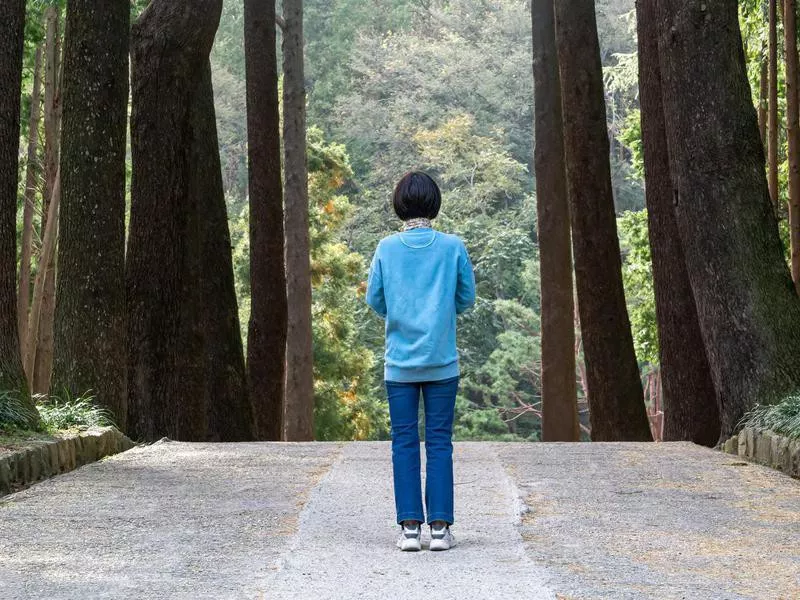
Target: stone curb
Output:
[(44, 459), (766, 448)]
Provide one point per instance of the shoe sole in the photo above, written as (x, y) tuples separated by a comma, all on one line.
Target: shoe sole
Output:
[(439, 545), (410, 546)]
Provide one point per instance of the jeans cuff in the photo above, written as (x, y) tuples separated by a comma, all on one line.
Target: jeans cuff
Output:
[(410, 517), (440, 517)]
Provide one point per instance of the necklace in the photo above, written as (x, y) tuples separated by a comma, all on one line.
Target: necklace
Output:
[(417, 223)]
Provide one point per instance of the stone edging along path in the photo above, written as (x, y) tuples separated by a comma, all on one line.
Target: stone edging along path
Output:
[(766, 448), (45, 458)]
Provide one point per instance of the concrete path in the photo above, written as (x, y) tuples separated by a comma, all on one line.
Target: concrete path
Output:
[(297, 521)]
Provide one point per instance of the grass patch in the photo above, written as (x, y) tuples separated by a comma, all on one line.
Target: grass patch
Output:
[(13, 413), (782, 418), (59, 413)]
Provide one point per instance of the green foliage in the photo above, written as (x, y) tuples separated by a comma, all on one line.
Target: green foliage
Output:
[(637, 277), (14, 414), (346, 405), (66, 412), (782, 418), (485, 201), (631, 136)]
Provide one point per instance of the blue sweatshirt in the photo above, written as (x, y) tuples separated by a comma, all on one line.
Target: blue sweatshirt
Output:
[(418, 281)]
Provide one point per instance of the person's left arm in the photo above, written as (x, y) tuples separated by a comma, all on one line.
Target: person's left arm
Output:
[(375, 295)]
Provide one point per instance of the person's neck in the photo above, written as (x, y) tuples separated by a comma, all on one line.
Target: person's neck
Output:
[(417, 223)]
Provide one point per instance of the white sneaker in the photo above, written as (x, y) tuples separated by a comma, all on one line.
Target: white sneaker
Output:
[(410, 538), (442, 538)]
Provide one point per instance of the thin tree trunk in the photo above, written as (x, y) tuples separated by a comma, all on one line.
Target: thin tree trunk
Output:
[(43, 364), (748, 311), (40, 283), (772, 115), (615, 388), (52, 101), (559, 393), (299, 405), (793, 133), (186, 371), (31, 173), (691, 411), (266, 336), (90, 310), (763, 99), (43, 337), (12, 375)]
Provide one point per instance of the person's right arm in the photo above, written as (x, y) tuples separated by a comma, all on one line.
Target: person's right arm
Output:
[(465, 287)]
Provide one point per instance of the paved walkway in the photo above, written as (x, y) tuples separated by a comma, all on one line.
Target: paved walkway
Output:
[(296, 521)]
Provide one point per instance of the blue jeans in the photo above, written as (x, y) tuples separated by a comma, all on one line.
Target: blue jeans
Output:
[(440, 399)]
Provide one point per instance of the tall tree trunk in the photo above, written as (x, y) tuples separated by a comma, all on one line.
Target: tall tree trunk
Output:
[(52, 100), (43, 363), (186, 371), (793, 132), (42, 339), (12, 376), (763, 100), (225, 381), (559, 393), (772, 113), (690, 402), (90, 294), (299, 405), (40, 283), (31, 172), (615, 388), (748, 310), (266, 335)]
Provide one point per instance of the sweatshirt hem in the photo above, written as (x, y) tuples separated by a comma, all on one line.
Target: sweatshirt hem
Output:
[(420, 374)]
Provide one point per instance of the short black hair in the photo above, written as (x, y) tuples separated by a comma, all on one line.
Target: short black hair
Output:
[(417, 196)]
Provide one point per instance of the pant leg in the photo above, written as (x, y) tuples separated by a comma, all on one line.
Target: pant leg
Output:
[(403, 412), (440, 401)]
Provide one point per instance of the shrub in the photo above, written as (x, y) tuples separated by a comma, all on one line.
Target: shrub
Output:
[(67, 412), (13, 413), (782, 418)]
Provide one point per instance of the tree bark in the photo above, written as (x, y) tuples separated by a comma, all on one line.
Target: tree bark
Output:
[(31, 172), (690, 402), (793, 133), (12, 376), (615, 389), (748, 310), (266, 336), (90, 291), (185, 360), (559, 388), (299, 405), (772, 113)]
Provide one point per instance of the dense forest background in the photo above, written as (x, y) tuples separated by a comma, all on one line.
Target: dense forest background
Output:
[(444, 86), (395, 85)]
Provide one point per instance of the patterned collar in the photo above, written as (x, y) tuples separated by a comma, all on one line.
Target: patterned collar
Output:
[(417, 224)]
